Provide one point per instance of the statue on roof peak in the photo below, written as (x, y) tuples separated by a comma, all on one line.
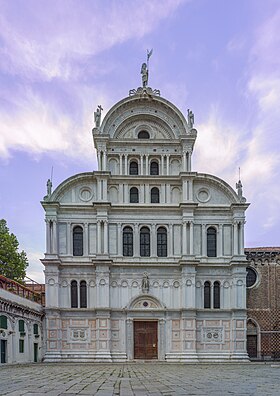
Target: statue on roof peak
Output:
[(145, 69)]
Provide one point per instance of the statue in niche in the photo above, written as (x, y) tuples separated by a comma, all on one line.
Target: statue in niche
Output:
[(145, 283), (49, 188), (190, 118), (97, 116)]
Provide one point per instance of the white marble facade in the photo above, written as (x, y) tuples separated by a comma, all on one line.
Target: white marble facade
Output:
[(169, 282)]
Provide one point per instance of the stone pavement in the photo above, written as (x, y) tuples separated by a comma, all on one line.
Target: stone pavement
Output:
[(57, 379)]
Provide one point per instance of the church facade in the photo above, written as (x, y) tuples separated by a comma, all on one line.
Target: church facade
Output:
[(145, 257)]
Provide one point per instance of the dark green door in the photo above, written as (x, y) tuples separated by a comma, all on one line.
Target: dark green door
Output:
[(3, 351), (35, 352)]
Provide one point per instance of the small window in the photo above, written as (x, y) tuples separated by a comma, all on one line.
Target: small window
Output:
[(134, 195), (3, 322), (127, 242), (251, 277), (162, 242), (154, 169), (83, 294), (78, 241), (211, 242), (145, 242), (21, 346), (133, 168), (154, 195), (74, 294), (143, 135), (207, 295), (35, 329), (216, 294), (21, 326)]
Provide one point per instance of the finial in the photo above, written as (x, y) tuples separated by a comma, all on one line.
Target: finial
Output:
[(239, 188), (97, 116)]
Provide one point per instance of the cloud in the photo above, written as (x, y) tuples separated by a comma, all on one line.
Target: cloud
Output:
[(56, 43), (35, 268)]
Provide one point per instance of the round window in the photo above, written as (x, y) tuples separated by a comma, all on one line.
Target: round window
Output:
[(251, 277)]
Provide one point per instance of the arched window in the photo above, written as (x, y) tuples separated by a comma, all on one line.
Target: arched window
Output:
[(143, 135), (74, 294), (3, 322), (145, 242), (154, 195), (251, 277), (217, 303), (211, 242), (127, 241), (162, 242), (83, 294), (133, 168), (154, 170), (207, 295), (134, 195), (78, 241)]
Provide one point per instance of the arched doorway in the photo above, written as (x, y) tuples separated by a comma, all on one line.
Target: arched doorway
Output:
[(252, 339)]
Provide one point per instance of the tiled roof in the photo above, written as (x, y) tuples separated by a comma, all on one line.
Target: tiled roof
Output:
[(263, 249)]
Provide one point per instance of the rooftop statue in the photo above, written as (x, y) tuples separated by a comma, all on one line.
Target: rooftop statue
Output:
[(97, 116), (145, 70), (190, 119)]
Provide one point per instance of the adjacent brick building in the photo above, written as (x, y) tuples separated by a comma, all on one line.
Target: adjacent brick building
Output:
[(263, 302)]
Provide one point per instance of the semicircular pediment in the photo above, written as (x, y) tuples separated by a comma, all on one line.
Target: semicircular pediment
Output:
[(145, 302)]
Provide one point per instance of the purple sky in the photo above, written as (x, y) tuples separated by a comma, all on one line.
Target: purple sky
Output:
[(60, 59)]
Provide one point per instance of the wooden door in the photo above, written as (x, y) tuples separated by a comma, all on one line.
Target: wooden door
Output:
[(145, 340), (252, 346), (3, 351), (35, 352)]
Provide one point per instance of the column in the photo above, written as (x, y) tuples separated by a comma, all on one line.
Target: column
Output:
[(48, 236), (99, 237), (163, 198), (119, 239), (98, 160), (184, 161), (125, 165), (104, 190), (68, 238), (120, 161), (126, 194), (184, 237), (189, 161), (168, 193), (162, 164), (141, 165), (105, 236), (191, 190), (185, 191), (147, 164), (104, 160), (203, 240), (136, 241), (86, 239), (242, 237), (170, 240), (191, 237), (167, 164), (54, 237), (220, 240), (235, 238), (147, 193), (153, 241)]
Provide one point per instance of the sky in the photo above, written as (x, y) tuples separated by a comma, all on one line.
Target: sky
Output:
[(59, 59)]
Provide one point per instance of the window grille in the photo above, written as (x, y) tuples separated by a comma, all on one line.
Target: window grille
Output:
[(128, 242), (211, 242), (83, 294), (154, 169), (78, 241), (217, 303), (162, 242), (145, 242), (134, 195), (133, 168), (74, 294), (207, 295), (154, 195)]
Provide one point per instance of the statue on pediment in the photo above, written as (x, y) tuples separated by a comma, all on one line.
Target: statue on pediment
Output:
[(97, 116)]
